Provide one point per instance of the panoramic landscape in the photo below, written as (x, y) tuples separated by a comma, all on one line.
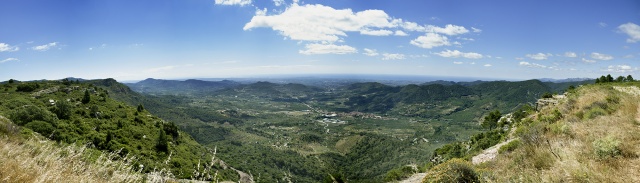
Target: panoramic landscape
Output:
[(319, 91)]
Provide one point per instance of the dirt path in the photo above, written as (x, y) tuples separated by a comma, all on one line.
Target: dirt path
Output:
[(415, 178), (488, 154)]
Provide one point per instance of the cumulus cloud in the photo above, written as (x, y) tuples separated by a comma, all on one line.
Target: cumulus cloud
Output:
[(600, 56), (632, 30), (457, 63), (312, 49), (323, 23), (431, 40), (233, 2), (476, 30), (278, 2), (487, 65), (45, 47), (588, 61), (539, 56), (381, 32), (370, 52), (570, 54), (620, 69), (9, 60), (400, 33), (457, 54), (393, 56), (533, 65), (4, 47), (449, 29)]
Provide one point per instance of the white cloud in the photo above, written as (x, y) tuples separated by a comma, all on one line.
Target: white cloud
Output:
[(570, 54), (393, 56), (600, 56), (448, 29), (400, 33), (628, 56), (312, 49), (487, 65), (45, 47), (539, 56), (457, 63), (457, 54), (370, 52), (473, 63), (602, 24), (620, 69), (476, 30), (261, 12), (588, 61), (381, 32), (519, 58), (233, 2), (431, 40), (323, 23), (632, 30), (8, 48), (278, 2), (533, 65), (9, 60)]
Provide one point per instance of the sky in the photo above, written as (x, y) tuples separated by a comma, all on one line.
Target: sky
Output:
[(170, 39)]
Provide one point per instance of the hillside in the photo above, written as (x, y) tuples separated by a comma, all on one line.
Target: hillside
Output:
[(84, 114), (591, 135)]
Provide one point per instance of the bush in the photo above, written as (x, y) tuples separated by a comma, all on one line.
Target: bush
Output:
[(595, 112), (30, 113), (606, 147), (454, 170), (27, 87), (509, 146), (41, 127)]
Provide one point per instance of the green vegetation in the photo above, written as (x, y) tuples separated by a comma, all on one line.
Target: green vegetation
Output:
[(454, 170), (84, 114)]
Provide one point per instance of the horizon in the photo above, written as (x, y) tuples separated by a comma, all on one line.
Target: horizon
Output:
[(130, 41), (362, 77)]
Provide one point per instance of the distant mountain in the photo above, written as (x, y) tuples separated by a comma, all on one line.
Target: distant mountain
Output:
[(564, 80), (159, 86)]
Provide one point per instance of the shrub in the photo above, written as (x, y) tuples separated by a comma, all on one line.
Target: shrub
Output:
[(454, 170), (509, 146), (595, 112), (606, 147), (27, 87), (41, 127)]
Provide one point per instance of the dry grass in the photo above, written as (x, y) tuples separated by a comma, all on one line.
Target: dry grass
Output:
[(570, 150), (44, 161)]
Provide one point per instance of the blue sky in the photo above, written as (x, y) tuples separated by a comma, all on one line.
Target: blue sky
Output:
[(131, 40)]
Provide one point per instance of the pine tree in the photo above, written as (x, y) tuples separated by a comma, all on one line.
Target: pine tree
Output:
[(87, 97)]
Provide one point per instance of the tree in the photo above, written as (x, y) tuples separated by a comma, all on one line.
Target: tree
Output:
[(609, 78), (140, 108), (620, 79), (491, 120), (603, 79), (63, 109), (11, 81), (630, 78), (597, 80), (163, 142), (87, 97)]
